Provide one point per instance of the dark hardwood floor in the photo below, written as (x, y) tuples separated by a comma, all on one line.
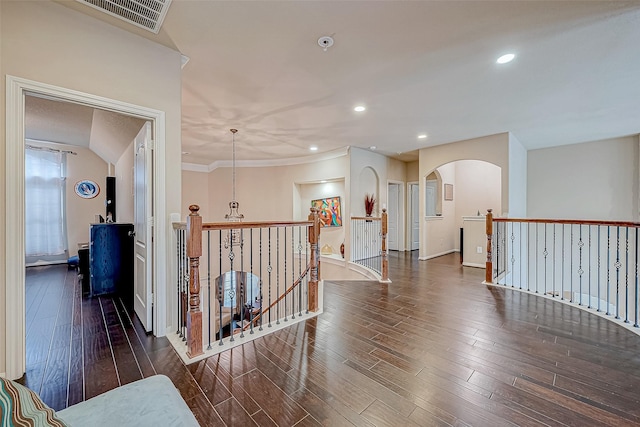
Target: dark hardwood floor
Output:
[(435, 347)]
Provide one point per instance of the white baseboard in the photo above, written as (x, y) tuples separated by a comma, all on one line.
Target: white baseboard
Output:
[(3, 375), (473, 264), (42, 263), (438, 254)]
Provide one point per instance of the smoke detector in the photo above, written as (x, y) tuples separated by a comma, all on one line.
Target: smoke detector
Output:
[(325, 42)]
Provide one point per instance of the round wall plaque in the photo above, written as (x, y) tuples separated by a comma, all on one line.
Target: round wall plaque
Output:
[(87, 189)]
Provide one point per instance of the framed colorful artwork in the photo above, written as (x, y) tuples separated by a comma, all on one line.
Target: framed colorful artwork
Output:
[(330, 211)]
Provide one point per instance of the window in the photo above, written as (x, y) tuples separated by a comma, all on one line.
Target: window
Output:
[(44, 203), (433, 195)]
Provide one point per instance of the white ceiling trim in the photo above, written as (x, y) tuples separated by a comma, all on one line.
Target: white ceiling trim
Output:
[(334, 154), (194, 167)]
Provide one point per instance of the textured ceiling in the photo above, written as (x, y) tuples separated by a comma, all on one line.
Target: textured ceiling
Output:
[(419, 67)]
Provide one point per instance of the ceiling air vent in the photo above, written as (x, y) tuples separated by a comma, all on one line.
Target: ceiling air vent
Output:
[(147, 14)]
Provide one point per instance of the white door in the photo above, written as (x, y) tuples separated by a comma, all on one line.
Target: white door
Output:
[(392, 216), (143, 226), (415, 216)]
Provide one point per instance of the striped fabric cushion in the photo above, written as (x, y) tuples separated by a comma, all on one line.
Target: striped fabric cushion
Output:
[(20, 406)]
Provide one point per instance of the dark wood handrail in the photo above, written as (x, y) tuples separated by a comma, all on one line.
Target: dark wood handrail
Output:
[(281, 297), (244, 224), (570, 221), (253, 224), (367, 218)]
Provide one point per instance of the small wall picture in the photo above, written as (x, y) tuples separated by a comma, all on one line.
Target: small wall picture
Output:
[(330, 211), (448, 191), (87, 189)]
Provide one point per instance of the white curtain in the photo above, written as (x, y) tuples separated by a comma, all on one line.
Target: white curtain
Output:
[(44, 203)]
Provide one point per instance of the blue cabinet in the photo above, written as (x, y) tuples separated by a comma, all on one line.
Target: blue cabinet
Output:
[(111, 259)]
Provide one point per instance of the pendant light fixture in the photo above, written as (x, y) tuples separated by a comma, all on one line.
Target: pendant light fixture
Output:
[(233, 238), (233, 215)]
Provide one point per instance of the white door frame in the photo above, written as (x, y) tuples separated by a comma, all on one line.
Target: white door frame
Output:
[(16, 89), (401, 213), (410, 215)]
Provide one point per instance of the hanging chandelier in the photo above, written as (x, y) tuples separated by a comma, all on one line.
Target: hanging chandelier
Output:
[(233, 215), (233, 237)]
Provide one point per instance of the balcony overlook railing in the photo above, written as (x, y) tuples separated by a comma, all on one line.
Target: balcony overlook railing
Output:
[(592, 264), (256, 277), (369, 244)]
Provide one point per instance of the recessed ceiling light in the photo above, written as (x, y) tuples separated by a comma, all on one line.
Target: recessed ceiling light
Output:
[(324, 181), (506, 58), (313, 148), (422, 136), (359, 108), (372, 148)]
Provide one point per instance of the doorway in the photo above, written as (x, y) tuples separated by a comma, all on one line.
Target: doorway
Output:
[(414, 215), (395, 215), (17, 90)]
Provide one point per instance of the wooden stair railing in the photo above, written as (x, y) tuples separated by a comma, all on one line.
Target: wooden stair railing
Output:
[(194, 252), (384, 253), (194, 229), (592, 264), (280, 298)]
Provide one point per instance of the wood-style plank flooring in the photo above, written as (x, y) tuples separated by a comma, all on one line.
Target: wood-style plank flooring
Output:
[(435, 347)]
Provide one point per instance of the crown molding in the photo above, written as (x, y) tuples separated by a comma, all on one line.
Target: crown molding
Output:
[(194, 167), (329, 155)]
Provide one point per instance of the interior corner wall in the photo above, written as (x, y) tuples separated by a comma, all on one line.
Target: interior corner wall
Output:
[(47, 42), (478, 188), (413, 171), (594, 180), (517, 207), (385, 168), (438, 234), (81, 212), (493, 149), (3, 197), (124, 185), (265, 193), (195, 191), (332, 236)]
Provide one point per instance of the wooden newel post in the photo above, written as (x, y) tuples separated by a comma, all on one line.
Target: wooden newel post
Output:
[(314, 236), (194, 252), (488, 274), (385, 259)]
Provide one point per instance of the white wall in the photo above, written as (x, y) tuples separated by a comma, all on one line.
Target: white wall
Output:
[(124, 185), (493, 149), (332, 236), (439, 235), (50, 43), (364, 161), (195, 191), (413, 171), (594, 180), (267, 193), (477, 189), (517, 179), (81, 212)]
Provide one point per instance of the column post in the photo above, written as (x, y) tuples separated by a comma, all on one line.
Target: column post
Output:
[(314, 236), (194, 252), (385, 259), (488, 275)]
